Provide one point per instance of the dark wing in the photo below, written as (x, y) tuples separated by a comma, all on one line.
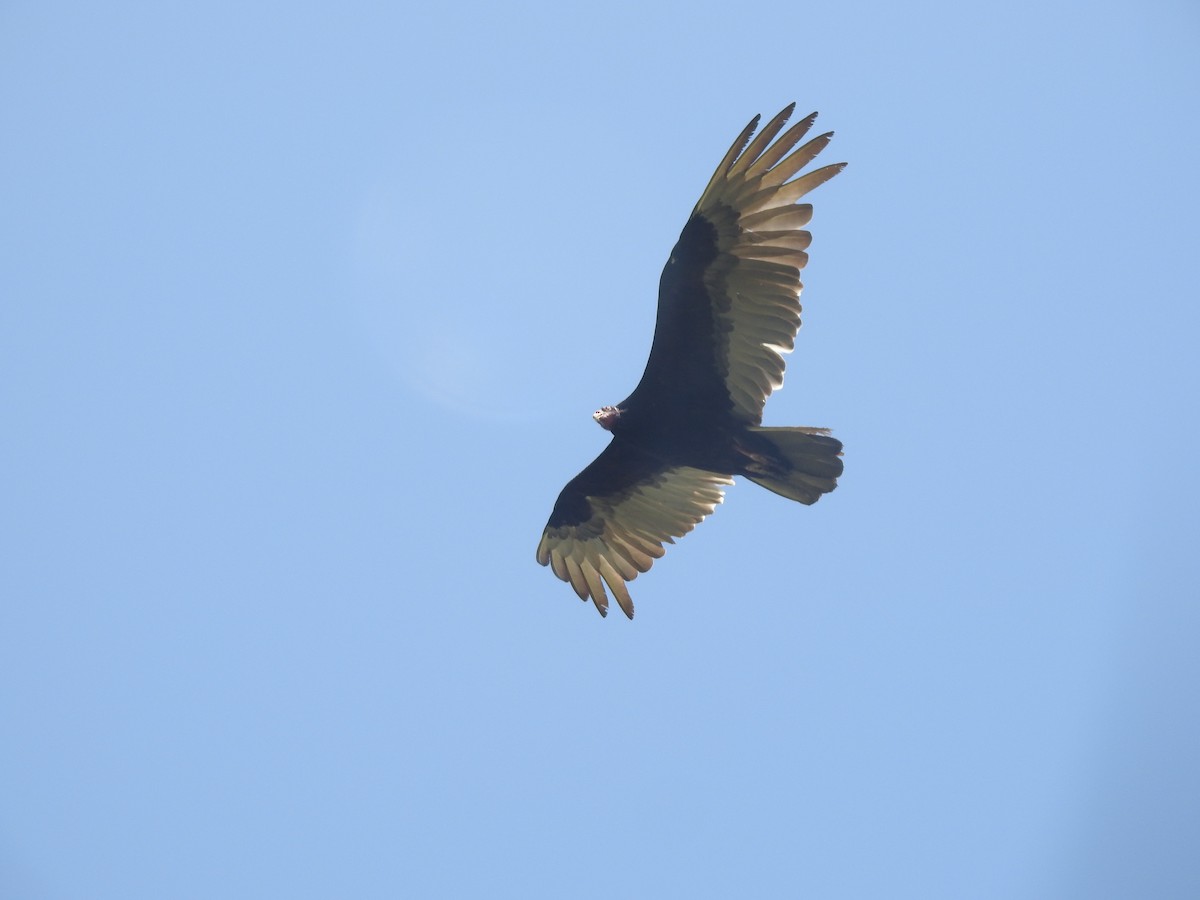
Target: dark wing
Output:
[(612, 519), (728, 301)]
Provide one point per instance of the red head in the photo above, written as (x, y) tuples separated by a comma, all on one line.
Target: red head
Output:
[(606, 417)]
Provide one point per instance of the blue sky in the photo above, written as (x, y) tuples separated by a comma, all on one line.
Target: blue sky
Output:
[(304, 314)]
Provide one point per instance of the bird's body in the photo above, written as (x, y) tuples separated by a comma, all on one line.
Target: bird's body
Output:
[(728, 309)]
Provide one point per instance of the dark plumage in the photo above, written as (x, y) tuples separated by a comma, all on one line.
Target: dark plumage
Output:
[(728, 308)]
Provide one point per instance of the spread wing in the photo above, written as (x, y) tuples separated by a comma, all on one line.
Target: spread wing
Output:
[(612, 519), (729, 296)]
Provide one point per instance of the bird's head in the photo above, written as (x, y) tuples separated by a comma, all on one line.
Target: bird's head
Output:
[(606, 417)]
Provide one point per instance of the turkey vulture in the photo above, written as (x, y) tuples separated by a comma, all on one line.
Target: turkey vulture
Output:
[(728, 309)]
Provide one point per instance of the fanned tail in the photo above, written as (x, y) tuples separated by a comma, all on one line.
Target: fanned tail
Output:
[(805, 465)]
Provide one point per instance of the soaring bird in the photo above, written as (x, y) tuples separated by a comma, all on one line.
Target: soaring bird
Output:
[(728, 309)]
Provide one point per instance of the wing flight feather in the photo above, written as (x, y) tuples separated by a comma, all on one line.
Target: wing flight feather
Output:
[(753, 280), (626, 529)]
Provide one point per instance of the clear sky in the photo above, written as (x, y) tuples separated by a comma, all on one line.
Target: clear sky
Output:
[(304, 311)]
